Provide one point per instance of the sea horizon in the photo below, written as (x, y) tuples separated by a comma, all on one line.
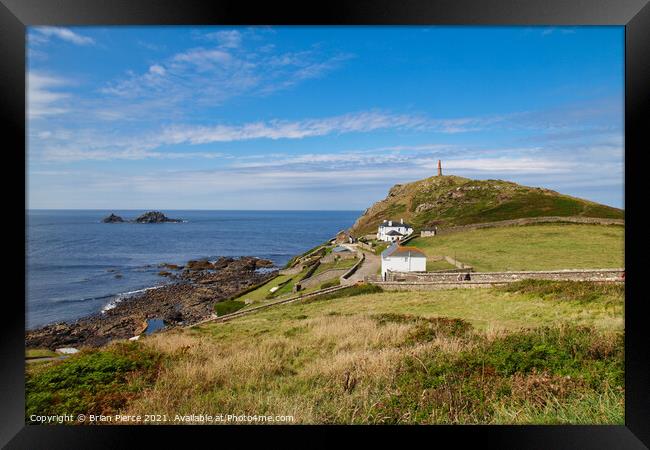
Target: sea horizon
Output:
[(168, 209)]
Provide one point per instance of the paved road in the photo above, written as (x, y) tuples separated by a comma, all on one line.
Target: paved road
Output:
[(370, 266)]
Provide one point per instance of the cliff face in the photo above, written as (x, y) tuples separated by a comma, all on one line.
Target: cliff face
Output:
[(450, 200)]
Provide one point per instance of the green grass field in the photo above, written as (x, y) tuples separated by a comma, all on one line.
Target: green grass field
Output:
[(34, 353), (440, 264), (530, 352), (534, 247), (340, 264), (261, 292)]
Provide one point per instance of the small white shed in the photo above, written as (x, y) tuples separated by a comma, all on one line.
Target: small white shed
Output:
[(398, 258)]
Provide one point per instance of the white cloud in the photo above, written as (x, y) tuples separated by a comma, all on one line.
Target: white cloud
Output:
[(42, 100), (280, 129), (65, 34), (203, 57), (210, 75), (522, 165), (226, 38), (157, 69)]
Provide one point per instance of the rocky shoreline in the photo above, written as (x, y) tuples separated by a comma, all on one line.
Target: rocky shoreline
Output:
[(190, 298)]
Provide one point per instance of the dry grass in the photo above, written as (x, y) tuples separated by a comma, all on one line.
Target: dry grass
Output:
[(363, 360), (540, 353)]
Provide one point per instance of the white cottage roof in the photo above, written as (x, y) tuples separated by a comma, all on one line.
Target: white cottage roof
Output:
[(399, 250)]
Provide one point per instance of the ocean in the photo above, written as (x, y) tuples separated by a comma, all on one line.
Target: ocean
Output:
[(77, 265)]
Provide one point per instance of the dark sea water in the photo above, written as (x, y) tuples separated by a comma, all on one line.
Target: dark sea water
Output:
[(77, 265)]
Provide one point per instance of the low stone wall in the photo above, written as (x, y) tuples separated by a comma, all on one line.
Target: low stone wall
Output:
[(456, 270), (306, 260), (408, 238), (320, 278), (354, 268), (531, 221), (333, 256), (245, 312), (496, 277), (366, 246), (415, 286)]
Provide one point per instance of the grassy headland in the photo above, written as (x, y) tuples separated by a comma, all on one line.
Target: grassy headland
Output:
[(530, 352), (451, 200)]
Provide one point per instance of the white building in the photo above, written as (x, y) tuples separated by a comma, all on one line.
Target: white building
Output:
[(391, 231), (397, 258)]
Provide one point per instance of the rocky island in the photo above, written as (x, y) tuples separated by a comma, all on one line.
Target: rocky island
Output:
[(155, 217), (112, 219), (148, 217)]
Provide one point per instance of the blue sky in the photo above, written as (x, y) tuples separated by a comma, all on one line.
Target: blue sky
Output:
[(317, 117)]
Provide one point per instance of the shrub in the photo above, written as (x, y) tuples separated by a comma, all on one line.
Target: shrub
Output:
[(329, 284), (94, 381), (427, 329), (227, 307), (527, 370)]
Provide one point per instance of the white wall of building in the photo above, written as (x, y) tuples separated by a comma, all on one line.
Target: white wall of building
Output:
[(412, 263), (385, 228)]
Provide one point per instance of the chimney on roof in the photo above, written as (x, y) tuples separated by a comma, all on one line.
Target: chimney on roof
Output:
[(401, 221), (390, 223), (439, 168)]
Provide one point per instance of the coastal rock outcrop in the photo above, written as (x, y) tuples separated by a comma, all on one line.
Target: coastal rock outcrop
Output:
[(155, 217), (148, 217), (112, 219), (189, 299)]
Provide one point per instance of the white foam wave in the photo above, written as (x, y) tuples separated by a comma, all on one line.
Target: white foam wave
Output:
[(119, 297)]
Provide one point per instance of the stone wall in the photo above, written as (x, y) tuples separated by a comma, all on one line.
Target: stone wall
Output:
[(492, 277), (333, 256), (354, 268), (531, 221), (366, 246), (415, 286), (320, 278)]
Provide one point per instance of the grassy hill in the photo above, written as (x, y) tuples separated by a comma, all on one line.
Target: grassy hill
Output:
[(530, 352), (531, 247), (452, 200)]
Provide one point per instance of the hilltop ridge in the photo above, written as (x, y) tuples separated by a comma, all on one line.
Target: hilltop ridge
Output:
[(450, 200)]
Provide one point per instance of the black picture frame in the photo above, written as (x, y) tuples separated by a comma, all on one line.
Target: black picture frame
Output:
[(15, 15)]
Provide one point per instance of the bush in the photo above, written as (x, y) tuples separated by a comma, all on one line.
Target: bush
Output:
[(532, 370), (329, 284), (95, 381), (227, 307)]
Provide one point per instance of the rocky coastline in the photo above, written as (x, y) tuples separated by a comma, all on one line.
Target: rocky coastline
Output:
[(190, 298)]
